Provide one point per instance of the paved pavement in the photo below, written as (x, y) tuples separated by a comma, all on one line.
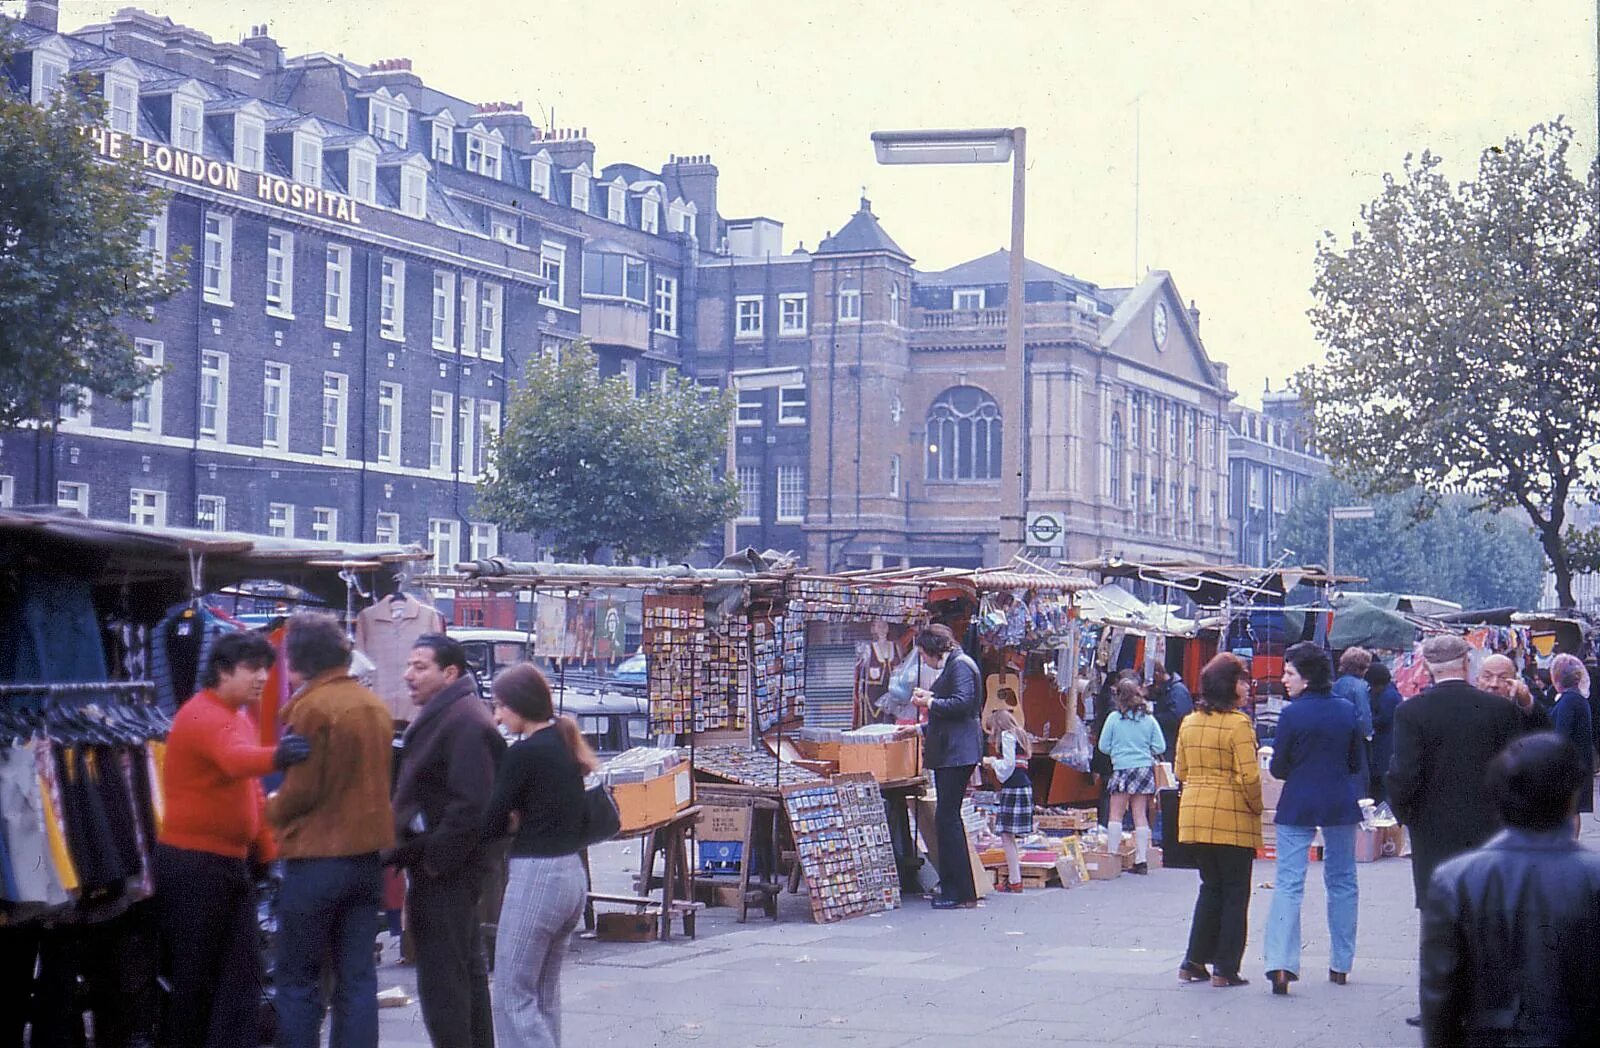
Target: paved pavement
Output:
[(1093, 965)]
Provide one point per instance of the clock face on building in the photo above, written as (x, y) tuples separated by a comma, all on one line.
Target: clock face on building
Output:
[(1158, 325)]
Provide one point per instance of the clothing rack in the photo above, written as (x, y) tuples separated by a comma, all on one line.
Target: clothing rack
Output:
[(132, 687)]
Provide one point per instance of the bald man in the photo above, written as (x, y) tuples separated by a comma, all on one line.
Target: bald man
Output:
[(1498, 676)]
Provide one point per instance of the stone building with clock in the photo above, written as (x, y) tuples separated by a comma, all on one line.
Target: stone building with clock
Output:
[(889, 452)]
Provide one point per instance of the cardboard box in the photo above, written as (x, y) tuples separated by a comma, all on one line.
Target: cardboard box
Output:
[(1369, 845), (900, 759), (1153, 857), (1166, 779), (1102, 866), (641, 804), (723, 824), (1396, 843), (624, 927)]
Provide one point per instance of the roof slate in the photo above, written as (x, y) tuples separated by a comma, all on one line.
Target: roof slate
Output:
[(862, 234)]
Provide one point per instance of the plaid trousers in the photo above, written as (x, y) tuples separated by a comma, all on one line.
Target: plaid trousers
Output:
[(543, 902)]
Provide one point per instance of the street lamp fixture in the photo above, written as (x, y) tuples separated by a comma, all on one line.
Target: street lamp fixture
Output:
[(1344, 513), (993, 145)]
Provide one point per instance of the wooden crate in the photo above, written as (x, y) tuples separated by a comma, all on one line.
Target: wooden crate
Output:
[(641, 804)]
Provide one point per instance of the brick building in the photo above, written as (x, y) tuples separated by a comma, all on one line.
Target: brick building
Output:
[(892, 446), (1270, 463), (371, 261)]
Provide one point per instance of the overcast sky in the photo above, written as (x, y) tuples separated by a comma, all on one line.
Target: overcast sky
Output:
[(1260, 123)]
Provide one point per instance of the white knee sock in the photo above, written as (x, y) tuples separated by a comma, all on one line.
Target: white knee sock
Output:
[(1112, 843), (1141, 843), (1008, 844)]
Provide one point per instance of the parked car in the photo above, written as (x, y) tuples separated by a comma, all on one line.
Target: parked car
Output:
[(613, 719), (632, 670)]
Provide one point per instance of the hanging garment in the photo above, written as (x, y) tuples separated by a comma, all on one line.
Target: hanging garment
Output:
[(385, 633), (50, 631), (275, 694), (179, 649), (22, 819), (55, 829), (97, 817)]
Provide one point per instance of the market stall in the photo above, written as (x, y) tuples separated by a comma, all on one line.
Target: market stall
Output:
[(103, 631)]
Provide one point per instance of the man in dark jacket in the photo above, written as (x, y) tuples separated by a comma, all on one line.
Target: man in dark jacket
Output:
[(447, 770), (953, 747), (1443, 740), (1171, 702), (1508, 930)]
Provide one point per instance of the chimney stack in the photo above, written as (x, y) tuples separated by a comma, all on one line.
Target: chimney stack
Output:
[(268, 54), (1194, 316), (696, 179), (43, 14), (507, 117), (568, 146)]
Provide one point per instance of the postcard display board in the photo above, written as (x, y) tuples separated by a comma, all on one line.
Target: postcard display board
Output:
[(674, 643), (841, 835)]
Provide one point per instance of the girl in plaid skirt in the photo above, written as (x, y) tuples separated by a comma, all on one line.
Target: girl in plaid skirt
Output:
[(1133, 741), (1016, 789)]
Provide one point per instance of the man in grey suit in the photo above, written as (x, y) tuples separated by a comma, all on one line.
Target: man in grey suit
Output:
[(953, 747)]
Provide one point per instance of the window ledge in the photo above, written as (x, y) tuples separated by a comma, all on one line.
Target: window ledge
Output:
[(793, 334), (444, 347), (391, 336), (333, 324), (793, 421), (749, 336), (789, 520), (281, 314), (216, 300)]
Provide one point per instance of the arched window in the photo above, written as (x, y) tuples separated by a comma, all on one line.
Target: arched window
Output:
[(1116, 459), (964, 435)]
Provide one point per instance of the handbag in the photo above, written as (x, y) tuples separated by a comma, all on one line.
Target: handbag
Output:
[(601, 822)]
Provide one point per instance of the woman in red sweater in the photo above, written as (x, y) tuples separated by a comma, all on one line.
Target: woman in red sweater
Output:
[(212, 842)]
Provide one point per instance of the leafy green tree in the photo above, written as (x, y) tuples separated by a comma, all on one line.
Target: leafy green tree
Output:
[(75, 282), (1415, 544), (588, 465), (1463, 331)]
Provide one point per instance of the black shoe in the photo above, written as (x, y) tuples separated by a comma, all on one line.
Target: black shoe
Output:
[(1140, 868), (1188, 971), (1413, 1020), (1338, 978), (947, 904), (1280, 981)]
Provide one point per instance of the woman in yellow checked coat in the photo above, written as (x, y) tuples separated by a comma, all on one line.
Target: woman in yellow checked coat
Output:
[(1221, 815)]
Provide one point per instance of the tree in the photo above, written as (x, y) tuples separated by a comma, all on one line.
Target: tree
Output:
[(587, 464), (74, 277), (1463, 332), (1414, 544)]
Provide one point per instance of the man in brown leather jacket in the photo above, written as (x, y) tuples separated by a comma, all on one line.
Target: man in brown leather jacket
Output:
[(332, 818), (1509, 929)]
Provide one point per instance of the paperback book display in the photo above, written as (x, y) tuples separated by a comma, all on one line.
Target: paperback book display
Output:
[(841, 836)]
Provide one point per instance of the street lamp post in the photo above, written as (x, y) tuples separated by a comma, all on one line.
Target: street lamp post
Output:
[(989, 146), (749, 378), (1343, 513)]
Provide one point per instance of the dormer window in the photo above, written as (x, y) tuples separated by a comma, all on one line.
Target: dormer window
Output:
[(580, 190), (414, 190), (186, 123), (483, 154), (49, 69), (387, 118), (969, 298), (363, 176), (650, 214), (307, 158), (122, 103), (249, 141), (502, 227), (444, 141), (539, 174), (617, 202)]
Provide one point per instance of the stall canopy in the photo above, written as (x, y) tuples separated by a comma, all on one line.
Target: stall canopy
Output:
[(1210, 585), (1115, 606), (1361, 622), (185, 561)]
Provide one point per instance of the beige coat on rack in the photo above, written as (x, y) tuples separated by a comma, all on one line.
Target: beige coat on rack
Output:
[(385, 633)]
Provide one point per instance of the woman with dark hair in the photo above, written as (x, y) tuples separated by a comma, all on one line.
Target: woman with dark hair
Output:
[(1133, 740), (1221, 816), (538, 801), (953, 745), (1316, 752), (1385, 700), (1573, 719)]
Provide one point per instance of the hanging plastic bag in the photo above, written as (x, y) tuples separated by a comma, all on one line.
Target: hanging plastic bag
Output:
[(896, 701), (1074, 749)]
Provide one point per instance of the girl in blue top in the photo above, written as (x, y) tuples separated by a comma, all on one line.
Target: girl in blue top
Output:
[(1133, 741)]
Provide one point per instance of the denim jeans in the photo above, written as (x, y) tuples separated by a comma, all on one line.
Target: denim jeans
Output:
[(1338, 876), (328, 914)]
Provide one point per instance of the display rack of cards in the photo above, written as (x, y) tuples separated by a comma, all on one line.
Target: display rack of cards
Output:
[(778, 652), (674, 644), (725, 683), (748, 766), (828, 600), (841, 836)]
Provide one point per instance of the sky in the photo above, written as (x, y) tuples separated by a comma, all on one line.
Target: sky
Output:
[(1248, 128)]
